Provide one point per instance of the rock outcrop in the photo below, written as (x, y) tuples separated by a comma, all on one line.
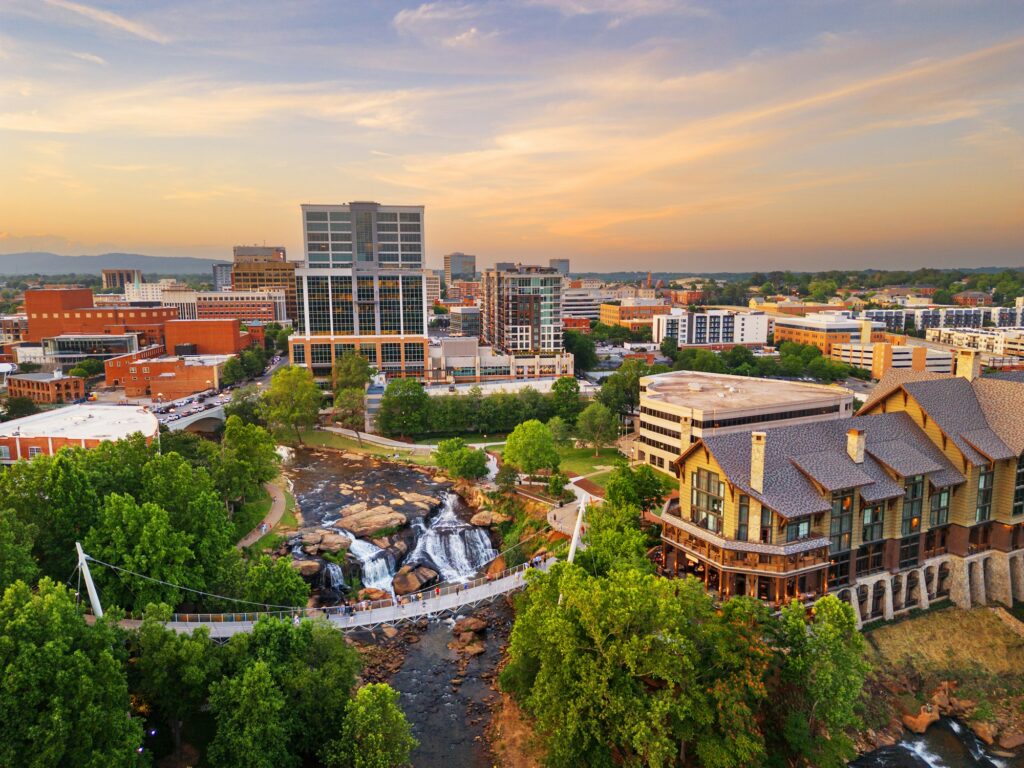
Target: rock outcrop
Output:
[(307, 568), (411, 579), (365, 522)]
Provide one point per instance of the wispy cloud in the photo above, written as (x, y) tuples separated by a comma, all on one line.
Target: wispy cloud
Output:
[(92, 58), (111, 20)]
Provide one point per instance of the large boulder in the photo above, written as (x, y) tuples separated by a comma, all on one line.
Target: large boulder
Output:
[(469, 624), (482, 518), (919, 723), (311, 538), (307, 568), (334, 542), (369, 521), (411, 579), (984, 731), (1011, 741), (369, 593), (353, 509)]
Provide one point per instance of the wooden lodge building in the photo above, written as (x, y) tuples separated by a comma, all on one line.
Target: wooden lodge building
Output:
[(919, 496)]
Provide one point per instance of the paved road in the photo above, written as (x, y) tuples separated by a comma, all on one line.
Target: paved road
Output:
[(451, 601), (277, 505)]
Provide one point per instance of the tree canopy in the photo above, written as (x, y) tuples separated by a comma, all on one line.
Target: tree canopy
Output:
[(531, 448), (292, 401), (597, 425)]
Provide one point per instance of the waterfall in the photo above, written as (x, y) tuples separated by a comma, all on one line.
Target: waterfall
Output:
[(492, 468), (455, 549), (378, 565), (334, 577)]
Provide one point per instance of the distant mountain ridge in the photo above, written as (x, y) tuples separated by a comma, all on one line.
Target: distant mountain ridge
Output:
[(44, 263)]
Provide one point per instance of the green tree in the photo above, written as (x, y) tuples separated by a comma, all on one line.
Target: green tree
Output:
[(292, 402), (376, 733), (614, 540), (245, 404), (669, 347), (506, 479), (18, 407), (140, 538), (274, 582), (350, 409), (461, 461), (531, 448), (68, 513), (175, 670), (16, 541), (566, 396), (403, 408), (620, 392), (561, 431), (248, 457), (249, 710), (351, 371), (232, 373), (64, 691), (583, 349), (821, 676), (643, 487), (597, 425)]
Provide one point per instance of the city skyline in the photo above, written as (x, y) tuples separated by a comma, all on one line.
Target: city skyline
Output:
[(688, 136)]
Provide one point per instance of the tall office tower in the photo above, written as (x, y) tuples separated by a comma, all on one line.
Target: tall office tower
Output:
[(362, 288), (119, 278), (522, 309), (222, 277), (432, 286), (562, 265), (459, 266), (262, 268)]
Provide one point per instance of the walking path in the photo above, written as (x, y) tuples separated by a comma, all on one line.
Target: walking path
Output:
[(451, 600), (277, 506), (387, 442)]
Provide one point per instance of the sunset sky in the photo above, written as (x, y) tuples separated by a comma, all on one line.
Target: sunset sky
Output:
[(624, 135)]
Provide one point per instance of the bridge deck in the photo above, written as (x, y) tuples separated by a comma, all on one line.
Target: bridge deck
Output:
[(451, 600)]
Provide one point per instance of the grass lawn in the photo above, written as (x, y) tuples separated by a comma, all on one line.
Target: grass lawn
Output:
[(333, 440), (582, 461), (249, 515), (469, 437), (949, 640), (601, 478)]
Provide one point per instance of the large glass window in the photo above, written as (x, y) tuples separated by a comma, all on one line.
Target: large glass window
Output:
[(298, 354), (342, 308), (1018, 489), (319, 303), (841, 530), (913, 502), (874, 522), (984, 508), (742, 517), (707, 499), (798, 529), (766, 525), (939, 507), (909, 551), (869, 558), (369, 351)]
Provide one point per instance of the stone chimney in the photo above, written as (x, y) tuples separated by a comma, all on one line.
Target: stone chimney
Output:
[(968, 364), (867, 327), (757, 461), (855, 439)]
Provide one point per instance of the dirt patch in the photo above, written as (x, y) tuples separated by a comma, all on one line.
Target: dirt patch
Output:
[(511, 735)]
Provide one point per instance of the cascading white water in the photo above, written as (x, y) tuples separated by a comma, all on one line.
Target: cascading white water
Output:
[(334, 576), (378, 565), (455, 548), (492, 468)]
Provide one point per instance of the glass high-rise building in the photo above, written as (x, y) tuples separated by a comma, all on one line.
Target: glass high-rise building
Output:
[(522, 309), (459, 266), (362, 288)]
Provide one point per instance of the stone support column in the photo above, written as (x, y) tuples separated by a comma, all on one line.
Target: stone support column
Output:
[(959, 583), (923, 601), (1017, 576), (979, 595), (999, 583), (887, 610)]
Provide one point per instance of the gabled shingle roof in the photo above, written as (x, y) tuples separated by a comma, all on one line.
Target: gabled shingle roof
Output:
[(903, 459), (893, 379), (1002, 400), (795, 454)]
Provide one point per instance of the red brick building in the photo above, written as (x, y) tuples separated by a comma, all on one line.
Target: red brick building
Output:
[(46, 388), (57, 311), (577, 324), (210, 337), (972, 299), (687, 297)]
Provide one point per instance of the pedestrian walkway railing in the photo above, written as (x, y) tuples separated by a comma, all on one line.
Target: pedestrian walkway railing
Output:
[(507, 580)]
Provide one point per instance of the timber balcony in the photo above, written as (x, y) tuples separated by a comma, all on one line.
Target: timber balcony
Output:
[(732, 554)]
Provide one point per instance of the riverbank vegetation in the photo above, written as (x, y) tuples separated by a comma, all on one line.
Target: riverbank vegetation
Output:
[(619, 667), (252, 702)]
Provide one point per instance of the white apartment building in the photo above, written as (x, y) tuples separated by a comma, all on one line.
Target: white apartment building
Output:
[(1004, 342), (712, 328), (584, 302), (139, 291)]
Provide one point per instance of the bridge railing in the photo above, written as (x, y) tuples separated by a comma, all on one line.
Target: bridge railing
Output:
[(422, 598)]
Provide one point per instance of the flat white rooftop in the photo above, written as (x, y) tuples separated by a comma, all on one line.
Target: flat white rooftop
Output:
[(84, 422), (721, 392)]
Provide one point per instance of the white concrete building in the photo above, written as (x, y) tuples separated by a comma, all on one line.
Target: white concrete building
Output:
[(712, 328)]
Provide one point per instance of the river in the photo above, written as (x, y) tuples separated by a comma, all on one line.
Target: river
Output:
[(947, 744)]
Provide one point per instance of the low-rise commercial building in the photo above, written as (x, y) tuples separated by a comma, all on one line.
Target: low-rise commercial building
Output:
[(633, 313), (950, 317), (76, 426), (1003, 342), (221, 336), (823, 329), (64, 311), (464, 321), (13, 328), (973, 299), (677, 409), (713, 328), (880, 357), (465, 360), (46, 388), (166, 377)]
